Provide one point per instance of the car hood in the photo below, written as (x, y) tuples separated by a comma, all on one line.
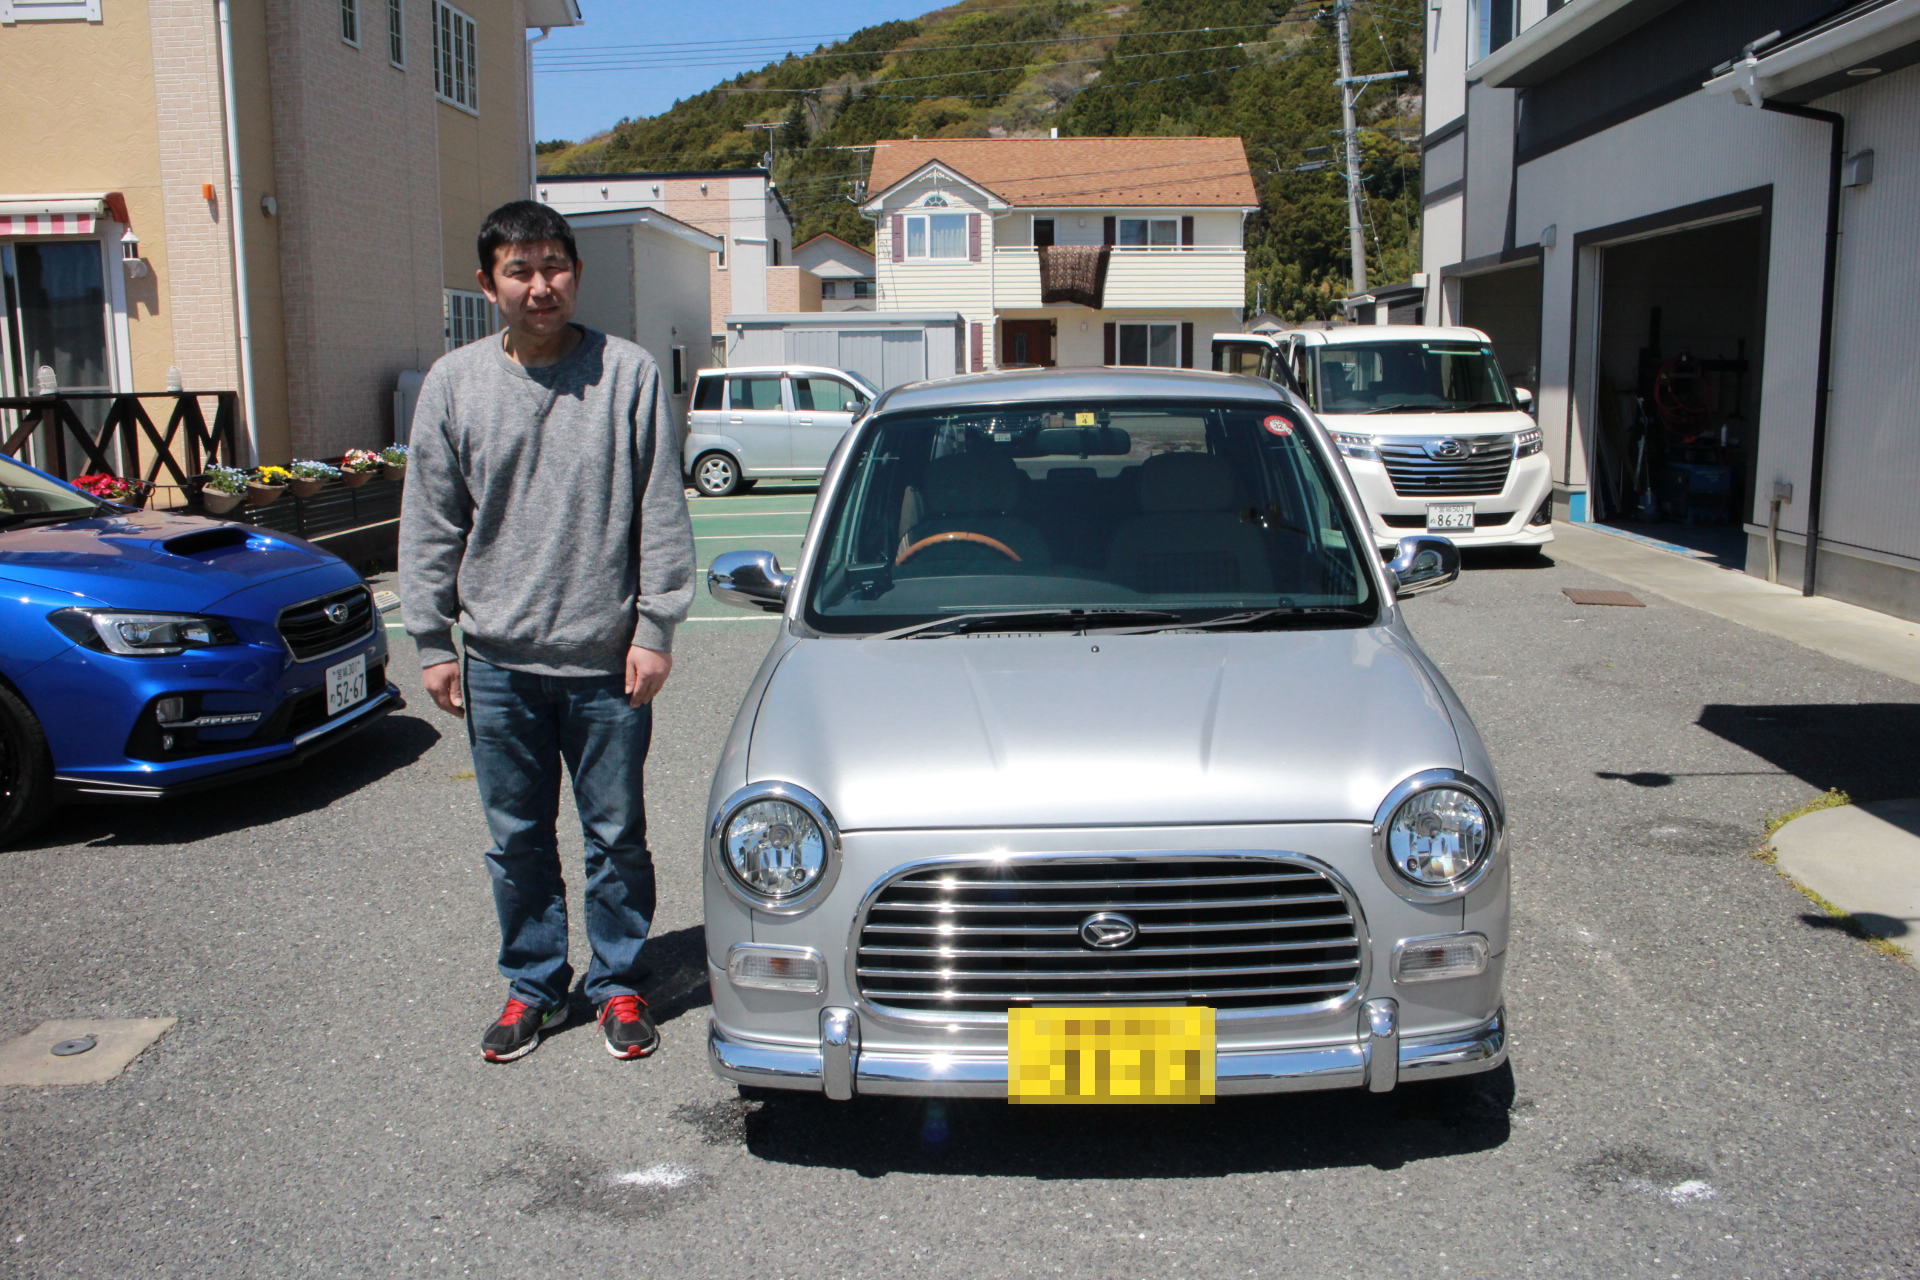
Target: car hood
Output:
[(154, 559), (1426, 425), (1312, 726)]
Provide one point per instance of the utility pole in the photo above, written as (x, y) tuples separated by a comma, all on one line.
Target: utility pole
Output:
[(1351, 87)]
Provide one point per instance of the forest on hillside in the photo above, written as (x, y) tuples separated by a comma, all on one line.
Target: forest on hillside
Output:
[(1263, 70)]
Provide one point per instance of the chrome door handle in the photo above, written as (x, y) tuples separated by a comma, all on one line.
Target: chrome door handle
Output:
[(733, 419), (806, 422)]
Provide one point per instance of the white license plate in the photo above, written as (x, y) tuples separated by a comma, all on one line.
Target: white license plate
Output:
[(1449, 515), (346, 685)]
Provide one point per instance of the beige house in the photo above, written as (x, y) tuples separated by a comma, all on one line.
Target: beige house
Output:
[(277, 198), (1069, 251), (845, 272)]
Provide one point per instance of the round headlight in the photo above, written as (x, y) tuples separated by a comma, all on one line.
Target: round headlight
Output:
[(774, 848), (1438, 836)]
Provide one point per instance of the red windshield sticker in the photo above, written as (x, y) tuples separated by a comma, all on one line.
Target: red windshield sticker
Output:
[(1279, 425)]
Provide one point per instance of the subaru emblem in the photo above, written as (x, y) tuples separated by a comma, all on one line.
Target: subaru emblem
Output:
[(1108, 930), (337, 614)]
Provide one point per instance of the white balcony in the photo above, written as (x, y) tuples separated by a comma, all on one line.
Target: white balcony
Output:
[(1141, 279)]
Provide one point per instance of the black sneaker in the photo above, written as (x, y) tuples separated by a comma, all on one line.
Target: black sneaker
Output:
[(628, 1027), (518, 1031)]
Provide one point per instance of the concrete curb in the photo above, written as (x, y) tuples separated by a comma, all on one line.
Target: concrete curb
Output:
[(1877, 641), (1864, 859)]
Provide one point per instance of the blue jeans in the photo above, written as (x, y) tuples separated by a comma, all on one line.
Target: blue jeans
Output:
[(522, 727)]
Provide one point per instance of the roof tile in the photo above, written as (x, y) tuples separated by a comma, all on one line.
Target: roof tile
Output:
[(1082, 172)]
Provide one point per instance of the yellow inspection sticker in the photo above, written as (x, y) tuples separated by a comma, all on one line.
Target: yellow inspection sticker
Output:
[(1110, 1055), (1085, 420)]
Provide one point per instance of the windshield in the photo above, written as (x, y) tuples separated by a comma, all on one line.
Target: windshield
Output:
[(1188, 509), (1409, 377), (27, 496)]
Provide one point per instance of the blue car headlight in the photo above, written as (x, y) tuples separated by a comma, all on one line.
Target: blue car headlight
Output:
[(141, 634)]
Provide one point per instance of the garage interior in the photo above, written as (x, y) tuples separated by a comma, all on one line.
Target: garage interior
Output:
[(1678, 386), (1505, 305)]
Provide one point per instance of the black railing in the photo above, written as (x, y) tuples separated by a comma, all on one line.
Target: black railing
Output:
[(335, 509), (58, 432)]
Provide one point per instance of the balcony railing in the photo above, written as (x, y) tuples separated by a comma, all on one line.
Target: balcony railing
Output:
[(1160, 277), (52, 434)]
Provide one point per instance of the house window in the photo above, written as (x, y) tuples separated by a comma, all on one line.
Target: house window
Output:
[(1491, 25), (722, 262), (350, 22), (679, 371), (773, 248), (456, 71), (941, 236), (1149, 233), (1043, 233), (829, 288), (863, 288), (12, 11), (396, 33), (470, 317), (1151, 344)]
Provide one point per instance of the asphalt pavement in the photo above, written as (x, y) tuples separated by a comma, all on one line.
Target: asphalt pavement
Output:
[(1707, 1078)]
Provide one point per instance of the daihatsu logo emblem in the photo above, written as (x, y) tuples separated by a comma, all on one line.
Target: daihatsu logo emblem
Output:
[(337, 614), (1445, 449), (1108, 930)]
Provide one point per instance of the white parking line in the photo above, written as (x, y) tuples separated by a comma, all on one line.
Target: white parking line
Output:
[(736, 537)]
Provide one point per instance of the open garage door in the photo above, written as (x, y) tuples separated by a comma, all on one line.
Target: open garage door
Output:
[(1505, 305)]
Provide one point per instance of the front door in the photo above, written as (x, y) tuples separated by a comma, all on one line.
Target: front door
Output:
[(758, 419), (1026, 342), (56, 318)]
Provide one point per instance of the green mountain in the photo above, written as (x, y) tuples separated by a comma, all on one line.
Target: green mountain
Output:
[(1259, 69)]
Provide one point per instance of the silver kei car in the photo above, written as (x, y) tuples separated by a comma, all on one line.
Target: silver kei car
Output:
[(1091, 693)]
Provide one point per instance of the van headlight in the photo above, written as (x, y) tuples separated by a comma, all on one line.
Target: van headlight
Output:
[(1436, 835), (1527, 443), (776, 846), (1354, 445)]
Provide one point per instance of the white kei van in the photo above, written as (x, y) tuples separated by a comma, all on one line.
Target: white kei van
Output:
[(748, 424), (1435, 438)]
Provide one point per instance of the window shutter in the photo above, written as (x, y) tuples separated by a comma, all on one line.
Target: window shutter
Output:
[(899, 238), (973, 237), (976, 347), (1186, 230), (1112, 336), (1186, 341), (1112, 235)]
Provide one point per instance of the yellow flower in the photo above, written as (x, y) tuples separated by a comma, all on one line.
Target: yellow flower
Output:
[(274, 475)]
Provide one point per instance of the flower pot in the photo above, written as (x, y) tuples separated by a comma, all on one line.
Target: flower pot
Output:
[(307, 487), (218, 503), (354, 479), (264, 495), (391, 472)]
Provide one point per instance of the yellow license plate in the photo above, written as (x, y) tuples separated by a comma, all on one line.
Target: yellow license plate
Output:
[(1110, 1055)]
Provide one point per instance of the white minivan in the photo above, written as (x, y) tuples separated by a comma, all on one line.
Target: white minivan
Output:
[(1435, 438), (767, 421)]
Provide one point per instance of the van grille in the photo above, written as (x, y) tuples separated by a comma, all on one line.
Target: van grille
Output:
[(309, 632), (1480, 469), (1230, 932)]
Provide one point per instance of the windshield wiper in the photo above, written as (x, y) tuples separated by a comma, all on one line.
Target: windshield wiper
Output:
[(1019, 619), (1476, 408), (21, 519), (1406, 408), (1284, 618)]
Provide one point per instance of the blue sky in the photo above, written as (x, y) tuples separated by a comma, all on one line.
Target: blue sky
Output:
[(656, 45)]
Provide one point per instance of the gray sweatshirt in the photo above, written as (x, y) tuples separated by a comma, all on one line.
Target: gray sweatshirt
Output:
[(544, 510)]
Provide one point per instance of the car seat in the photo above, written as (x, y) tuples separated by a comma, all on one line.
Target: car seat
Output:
[(1190, 536), (974, 492)]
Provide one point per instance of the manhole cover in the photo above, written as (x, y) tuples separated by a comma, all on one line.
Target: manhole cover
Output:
[(1586, 595), (80, 1044)]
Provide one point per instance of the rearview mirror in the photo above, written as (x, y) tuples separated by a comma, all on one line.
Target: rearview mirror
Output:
[(1424, 563), (749, 580)]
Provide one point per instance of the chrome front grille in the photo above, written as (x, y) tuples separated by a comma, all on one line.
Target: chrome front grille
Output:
[(309, 632), (1227, 931), (1478, 469)]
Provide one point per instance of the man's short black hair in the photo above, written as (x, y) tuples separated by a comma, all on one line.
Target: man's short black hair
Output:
[(523, 222)]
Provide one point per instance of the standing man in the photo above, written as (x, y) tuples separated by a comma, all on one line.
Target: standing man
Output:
[(544, 514)]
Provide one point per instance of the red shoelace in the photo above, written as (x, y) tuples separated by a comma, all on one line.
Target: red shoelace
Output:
[(623, 1009), (515, 1010)]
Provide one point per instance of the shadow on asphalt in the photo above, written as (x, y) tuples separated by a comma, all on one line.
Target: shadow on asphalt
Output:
[(676, 982), (982, 1137), (381, 749), (1869, 750)]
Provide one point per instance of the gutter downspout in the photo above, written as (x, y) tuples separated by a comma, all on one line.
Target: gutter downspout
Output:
[(237, 232), (533, 129), (1823, 377)]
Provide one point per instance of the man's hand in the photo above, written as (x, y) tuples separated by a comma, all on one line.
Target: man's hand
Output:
[(647, 670), (443, 685)]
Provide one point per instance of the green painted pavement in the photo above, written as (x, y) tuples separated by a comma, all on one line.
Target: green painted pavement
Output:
[(769, 518)]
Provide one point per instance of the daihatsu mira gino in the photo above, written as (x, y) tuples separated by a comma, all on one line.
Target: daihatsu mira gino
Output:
[(1091, 700)]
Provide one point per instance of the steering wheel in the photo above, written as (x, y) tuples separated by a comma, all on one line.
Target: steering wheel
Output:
[(958, 535)]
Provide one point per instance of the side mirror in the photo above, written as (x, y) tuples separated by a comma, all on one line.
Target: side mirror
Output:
[(1523, 398), (749, 580), (1423, 564)]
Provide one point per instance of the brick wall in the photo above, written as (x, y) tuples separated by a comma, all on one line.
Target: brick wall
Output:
[(792, 289)]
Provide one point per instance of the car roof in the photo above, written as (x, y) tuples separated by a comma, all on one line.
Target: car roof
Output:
[(743, 370), (1351, 334), (1079, 383), (1264, 339)]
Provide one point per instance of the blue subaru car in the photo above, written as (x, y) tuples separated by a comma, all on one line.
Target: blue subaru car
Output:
[(146, 654)]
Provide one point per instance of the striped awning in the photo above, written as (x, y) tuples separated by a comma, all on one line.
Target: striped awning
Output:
[(47, 224)]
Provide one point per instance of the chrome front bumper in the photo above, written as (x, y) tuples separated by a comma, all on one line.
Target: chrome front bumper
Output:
[(1377, 1058)]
